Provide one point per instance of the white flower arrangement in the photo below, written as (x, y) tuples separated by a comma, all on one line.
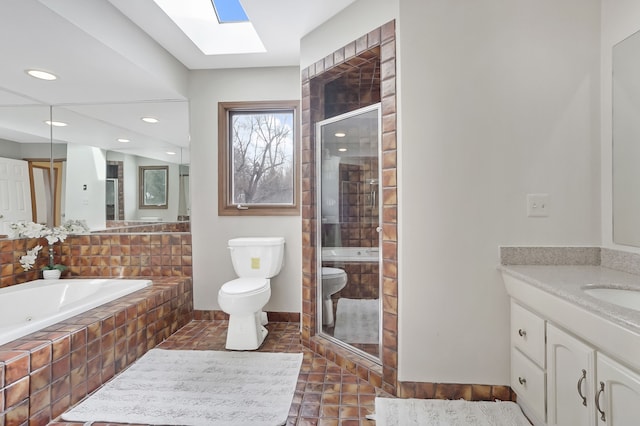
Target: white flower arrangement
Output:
[(52, 235), (28, 260)]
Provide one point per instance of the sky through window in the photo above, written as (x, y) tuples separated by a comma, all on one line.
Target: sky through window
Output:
[(229, 11)]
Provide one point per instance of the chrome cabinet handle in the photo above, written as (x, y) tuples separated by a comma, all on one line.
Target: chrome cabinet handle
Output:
[(522, 333), (580, 380), (602, 416), (522, 381)]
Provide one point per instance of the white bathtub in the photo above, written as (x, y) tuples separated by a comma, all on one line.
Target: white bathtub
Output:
[(32, 306), (350, 254)]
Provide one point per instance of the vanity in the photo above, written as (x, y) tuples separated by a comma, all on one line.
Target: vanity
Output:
[(575, 343)]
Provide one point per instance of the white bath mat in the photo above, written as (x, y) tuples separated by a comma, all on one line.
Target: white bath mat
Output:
[(357, 320), (438, 412), (174, 387)]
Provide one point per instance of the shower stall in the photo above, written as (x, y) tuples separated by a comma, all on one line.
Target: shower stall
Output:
[(349, 233)]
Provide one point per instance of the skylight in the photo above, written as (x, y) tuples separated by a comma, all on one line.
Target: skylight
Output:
[(229, 11), (199, 21)]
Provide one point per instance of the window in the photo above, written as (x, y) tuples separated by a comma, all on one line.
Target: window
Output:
[(258, 158), (153, 187)]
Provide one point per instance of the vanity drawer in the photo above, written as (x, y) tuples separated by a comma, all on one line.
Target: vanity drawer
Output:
[(528, 382), (527, 333)]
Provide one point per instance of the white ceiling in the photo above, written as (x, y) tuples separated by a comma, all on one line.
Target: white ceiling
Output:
[(120, 59)]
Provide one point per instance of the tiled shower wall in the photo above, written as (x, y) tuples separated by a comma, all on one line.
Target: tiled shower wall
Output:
[(318, 104), (328, 90)]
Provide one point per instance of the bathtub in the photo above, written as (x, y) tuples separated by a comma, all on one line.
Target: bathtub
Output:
[(350, 254), (32, 306)]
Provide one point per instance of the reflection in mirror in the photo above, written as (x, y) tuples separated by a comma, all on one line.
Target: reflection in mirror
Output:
[(24, 137), (153, 187), (349, 208), (45, 177), (626, 137), (96, 138)]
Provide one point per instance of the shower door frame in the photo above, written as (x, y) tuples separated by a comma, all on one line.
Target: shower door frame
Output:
[(318, 182)]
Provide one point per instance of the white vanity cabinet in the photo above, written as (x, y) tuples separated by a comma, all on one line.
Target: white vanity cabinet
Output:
[(528, 361), (562, 380), (618, 394), (570, 380)]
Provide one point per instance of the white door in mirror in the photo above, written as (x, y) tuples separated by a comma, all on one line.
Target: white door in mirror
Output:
[(16, 193)]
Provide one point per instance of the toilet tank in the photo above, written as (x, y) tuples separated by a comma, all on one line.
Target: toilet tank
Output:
[(259, 257)]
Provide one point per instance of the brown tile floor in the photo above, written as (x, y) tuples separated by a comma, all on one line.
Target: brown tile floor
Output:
[(325, 395)]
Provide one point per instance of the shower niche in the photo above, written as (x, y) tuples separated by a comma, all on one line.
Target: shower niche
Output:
[(349, 232)]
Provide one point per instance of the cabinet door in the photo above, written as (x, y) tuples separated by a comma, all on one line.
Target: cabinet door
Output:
[(570, 381), (618, 394)]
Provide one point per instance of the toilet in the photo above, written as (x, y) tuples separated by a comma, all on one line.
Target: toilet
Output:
[(333, 280), (255, 261)]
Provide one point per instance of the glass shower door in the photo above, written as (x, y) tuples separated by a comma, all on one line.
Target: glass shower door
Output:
[(349, 309)]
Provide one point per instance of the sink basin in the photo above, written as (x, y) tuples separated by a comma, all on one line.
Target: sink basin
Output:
[(618, 296)]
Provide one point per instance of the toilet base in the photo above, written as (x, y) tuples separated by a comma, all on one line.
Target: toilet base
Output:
[(246, 332), (327, 312)]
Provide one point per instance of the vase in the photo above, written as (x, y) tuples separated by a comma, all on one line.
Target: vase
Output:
[(51, 274)]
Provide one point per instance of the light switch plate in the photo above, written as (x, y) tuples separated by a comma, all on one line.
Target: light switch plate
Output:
[(537, 205)]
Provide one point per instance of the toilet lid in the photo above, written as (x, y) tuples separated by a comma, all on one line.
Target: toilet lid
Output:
[(331, 272), (245, 285)]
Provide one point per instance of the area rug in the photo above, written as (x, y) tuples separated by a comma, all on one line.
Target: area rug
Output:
[(437, 412), (193, 388), (357, 320)]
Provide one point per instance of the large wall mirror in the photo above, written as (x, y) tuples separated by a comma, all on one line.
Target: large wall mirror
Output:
[(626, 141), (83, 162)]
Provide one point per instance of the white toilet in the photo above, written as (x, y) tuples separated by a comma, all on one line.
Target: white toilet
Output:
[(255, 260), (333, 280)]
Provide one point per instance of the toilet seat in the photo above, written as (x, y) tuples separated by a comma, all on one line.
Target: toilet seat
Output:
[(245, 286), (328, 272)]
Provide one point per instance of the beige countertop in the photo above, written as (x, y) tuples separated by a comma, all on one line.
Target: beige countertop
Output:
[(568, 281)]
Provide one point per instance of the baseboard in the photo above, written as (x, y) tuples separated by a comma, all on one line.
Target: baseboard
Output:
[(210, 315)]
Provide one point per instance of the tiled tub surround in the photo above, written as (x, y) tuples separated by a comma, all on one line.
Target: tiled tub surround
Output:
[(32, 306), (46, 372), (103, 255)]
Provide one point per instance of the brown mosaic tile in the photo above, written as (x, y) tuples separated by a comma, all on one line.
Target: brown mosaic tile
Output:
[(64, 362)]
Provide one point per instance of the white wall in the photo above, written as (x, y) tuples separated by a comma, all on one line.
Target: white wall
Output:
[(86, 165), (210, 232), (497, 99), (353, 22), (620, 19)]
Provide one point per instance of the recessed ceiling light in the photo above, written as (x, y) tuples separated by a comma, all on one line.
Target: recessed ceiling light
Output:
[(56, 123), (342, 149), (340, 134), (150, 120), (171, 153), (42, 75), (123, 140)]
